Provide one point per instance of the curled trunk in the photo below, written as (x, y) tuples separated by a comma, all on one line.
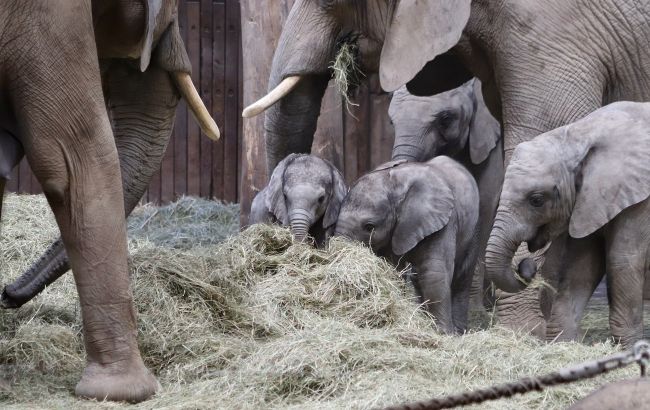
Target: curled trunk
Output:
[(407, 151), (142, 109), (500, 250)]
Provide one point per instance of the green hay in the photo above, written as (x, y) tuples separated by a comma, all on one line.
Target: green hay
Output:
[(257, 321), (346, 72)]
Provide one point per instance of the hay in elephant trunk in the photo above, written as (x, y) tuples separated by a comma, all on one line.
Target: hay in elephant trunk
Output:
[(253, 320)]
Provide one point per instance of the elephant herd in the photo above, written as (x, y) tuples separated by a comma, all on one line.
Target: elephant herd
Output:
[(549, 145)]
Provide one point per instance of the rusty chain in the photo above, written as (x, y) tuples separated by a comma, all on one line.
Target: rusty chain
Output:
[(639, 353)]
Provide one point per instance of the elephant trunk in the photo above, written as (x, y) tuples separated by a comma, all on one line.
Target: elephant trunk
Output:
[(142, 109), (300, 221), (499, 253), (407, 151)]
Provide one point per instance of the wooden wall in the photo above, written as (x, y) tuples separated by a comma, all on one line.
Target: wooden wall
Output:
[(234, 169)]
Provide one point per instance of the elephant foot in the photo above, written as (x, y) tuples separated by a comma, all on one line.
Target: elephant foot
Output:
[(116, 382)]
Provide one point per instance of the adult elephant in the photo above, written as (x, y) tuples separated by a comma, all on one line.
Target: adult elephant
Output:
[(542, 64), (55, 59), (144, 70)]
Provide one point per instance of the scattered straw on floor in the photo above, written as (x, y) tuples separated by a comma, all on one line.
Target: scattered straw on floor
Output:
[(254, 321)]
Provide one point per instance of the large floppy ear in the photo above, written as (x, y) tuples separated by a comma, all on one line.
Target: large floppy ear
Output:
[(614, 172), (275, 201), (420, 30), (159, 13), (424, 207), (484, 129), (339, 191)]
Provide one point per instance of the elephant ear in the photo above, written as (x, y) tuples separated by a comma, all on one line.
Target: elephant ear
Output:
[(425, 208), (420, 30), (275, 201), (339, 191), (159, 13), (484, 129), (614, 171)]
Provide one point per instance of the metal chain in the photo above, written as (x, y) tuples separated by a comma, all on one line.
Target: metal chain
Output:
[(639, 353)]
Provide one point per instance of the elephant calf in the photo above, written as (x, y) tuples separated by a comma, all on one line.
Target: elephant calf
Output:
[(305, 192), (458, 124), (424, 214), (590, 180)]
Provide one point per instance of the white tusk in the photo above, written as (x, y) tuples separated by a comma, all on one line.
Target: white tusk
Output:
[(271, 98), (194, 102)]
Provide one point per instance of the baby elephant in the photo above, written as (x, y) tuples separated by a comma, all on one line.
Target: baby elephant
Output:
[(590, 180), (304, 192), (424, 214)]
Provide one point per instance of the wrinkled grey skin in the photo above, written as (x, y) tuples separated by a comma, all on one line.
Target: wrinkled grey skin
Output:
[(305, 192), (589, 179), (141, 109), (542, 64), (631, 394), (457, 124), (424, 214)]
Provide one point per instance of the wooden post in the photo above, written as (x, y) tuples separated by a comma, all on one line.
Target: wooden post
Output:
[(261, 25)]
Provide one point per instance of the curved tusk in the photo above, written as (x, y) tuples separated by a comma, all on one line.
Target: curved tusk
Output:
[(194, 102), (271, 98)]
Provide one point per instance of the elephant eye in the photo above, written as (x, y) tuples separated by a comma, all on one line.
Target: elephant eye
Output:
[(445, 119), (321, 199), (536, 200), (368, 227)]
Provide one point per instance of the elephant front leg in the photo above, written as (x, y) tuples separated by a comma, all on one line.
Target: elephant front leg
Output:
[(69, 145), (625, 283), (580, 274)]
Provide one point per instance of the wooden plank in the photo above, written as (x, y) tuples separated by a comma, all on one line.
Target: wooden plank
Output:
[(356, 134), (180, 128), (381, 133), (232, 113), (205, 88), (328, 139), (261, 25), (193, 130), (12, 184), (218, 95), (25, 178)]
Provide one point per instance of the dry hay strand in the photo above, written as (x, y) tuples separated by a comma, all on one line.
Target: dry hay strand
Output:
[(258, 321), (346, 72)]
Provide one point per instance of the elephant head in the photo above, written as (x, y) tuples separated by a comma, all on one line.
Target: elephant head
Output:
[(145, 70), (305, 190), (443, 124), (383, 30), (395, 207), (573, 179)]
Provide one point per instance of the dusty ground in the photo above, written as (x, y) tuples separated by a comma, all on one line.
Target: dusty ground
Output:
[(256, 322)]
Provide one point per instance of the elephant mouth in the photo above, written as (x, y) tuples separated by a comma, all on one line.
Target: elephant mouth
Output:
[(540, 239)]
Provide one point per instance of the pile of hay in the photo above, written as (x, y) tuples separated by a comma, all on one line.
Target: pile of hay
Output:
[(258, 322)]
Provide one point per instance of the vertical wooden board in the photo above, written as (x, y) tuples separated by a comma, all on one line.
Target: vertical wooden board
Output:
[(218, 94), (232, 113), (180, 127), (153, 193), (381, 133), (193, 45), (205, 172), (328, 139), (25, 179), (12, 184), (35, 186), (356, 134), (240, 108)]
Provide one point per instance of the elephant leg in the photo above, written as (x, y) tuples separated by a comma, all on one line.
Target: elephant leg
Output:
[(460, 302), (58, 100), (435, 289), (582, 270), (625, 277), (142, 108)]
